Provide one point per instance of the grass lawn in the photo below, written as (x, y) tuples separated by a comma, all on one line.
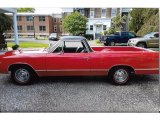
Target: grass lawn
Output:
[(28, 45)]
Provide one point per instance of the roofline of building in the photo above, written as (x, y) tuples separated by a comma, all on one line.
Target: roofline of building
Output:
[(31, 14)]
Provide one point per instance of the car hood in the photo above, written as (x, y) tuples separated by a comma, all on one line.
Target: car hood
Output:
[(26, 52), (139, 39)]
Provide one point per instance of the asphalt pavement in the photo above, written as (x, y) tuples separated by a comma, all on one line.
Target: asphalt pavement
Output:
[(80, 94)]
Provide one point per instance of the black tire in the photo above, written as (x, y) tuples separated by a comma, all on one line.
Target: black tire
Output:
[(22, 75), (105, 44), (119, 75), (142, 45)]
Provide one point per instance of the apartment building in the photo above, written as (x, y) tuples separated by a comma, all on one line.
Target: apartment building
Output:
[(36, 25), (57, 24), (99, 19)]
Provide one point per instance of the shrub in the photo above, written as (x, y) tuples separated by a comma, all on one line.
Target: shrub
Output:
[(15, 47), (97, 41), (88, 36), (105, 32)]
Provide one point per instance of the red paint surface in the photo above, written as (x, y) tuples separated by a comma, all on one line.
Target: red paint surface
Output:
[(98, 62)]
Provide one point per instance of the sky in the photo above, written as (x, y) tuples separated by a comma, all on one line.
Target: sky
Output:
[(48, 10)]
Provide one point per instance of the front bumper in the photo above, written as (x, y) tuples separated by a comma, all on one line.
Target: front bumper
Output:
[(131, 44)]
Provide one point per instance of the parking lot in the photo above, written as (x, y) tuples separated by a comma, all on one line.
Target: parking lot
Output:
[(80, 94)]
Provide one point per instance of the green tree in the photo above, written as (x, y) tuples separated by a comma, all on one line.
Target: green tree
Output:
[(137, 19), (6, 24), (111, 31), (29, 10), (75, 23), (144, 20), (118, 21)]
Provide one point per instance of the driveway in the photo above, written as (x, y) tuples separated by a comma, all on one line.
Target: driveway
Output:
[(80, 94)]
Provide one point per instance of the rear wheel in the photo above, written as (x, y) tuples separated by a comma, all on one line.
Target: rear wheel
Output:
[(142, 45), (119, 75), (22, 75)]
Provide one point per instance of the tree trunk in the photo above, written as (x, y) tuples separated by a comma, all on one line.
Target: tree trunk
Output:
[(2, 39)]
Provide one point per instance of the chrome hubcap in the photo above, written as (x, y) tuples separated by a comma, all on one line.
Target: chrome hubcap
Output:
[(22, 75), (121, 75)]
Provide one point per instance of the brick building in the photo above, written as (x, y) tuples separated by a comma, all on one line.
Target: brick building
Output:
[(38, 25), (57, 24)]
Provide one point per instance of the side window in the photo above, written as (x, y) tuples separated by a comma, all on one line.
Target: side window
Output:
[(131, 34), (70, 47), (59, 48), (156, 35)]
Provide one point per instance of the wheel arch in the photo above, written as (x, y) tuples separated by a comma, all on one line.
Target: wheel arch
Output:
[(130, 68), (12, 66), (142, 42)]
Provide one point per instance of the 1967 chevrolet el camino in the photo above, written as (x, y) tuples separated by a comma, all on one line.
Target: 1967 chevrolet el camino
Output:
[(72, 56)]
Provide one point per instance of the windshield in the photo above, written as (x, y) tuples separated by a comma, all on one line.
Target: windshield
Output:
[(52, 46), (148, 35)]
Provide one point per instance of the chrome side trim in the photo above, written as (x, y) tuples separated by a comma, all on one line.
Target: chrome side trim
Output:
[(72, 70), (149, 69)]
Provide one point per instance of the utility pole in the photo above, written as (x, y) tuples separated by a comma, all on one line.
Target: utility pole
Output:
[(33, 27)]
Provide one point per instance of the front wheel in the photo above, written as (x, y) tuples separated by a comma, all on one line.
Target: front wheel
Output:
[(119, 75), (21, 75), (142, 45)]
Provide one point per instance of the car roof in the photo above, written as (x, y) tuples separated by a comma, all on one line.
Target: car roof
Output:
[(72, 38)]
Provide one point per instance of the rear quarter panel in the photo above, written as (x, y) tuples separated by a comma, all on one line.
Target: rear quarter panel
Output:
[(143, 62)]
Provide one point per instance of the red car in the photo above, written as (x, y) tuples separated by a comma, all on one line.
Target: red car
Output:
[(72, 56)]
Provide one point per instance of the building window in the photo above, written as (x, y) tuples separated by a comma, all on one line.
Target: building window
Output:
[(91, 14), (103, 13), (41, 18), (29, 18), (42, 28), (82, 11), (55, 20), (104, 27), (91, 27), (114, 12), (29, 28), (55, 28), (19, 18), (19, 27)]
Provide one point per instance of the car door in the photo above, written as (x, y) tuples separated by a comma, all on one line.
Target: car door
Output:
[(68, 63), (124, 37), (154, 41)]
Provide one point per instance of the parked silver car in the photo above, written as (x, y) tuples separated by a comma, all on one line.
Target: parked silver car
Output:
[(150, 40)]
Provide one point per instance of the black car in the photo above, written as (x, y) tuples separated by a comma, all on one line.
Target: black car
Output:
[(53, 37), (118, 37)]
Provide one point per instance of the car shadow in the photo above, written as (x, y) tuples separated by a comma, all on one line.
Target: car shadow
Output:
[(137, 79), (71, 79)]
